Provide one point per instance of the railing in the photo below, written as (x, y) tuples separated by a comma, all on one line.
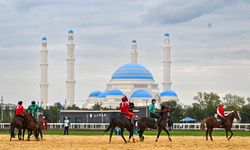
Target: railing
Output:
[(177, 126)]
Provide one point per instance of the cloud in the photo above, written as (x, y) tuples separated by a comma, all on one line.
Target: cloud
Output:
[(179, 11)]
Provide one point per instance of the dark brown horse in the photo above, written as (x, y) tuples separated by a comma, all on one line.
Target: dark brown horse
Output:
[(30, 125), (121, 122), (212, 122), (147, 122), (17, 122)]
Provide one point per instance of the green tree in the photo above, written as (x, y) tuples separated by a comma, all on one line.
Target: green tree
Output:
[(53, 112), (97, 106), (195, 111), (248, 100), (177, 112), (244, 114), (73, 107), (208, 102), (233, 102)]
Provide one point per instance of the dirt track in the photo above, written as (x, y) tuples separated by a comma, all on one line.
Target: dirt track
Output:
[(56, 142)]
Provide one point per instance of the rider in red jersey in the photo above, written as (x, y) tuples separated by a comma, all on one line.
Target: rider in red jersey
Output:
[(221, 114), (126, 110)]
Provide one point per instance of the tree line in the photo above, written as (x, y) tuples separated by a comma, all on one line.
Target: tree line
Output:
[(204, 106)]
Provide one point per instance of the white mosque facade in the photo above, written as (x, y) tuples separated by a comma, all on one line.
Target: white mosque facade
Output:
[(136, 82)]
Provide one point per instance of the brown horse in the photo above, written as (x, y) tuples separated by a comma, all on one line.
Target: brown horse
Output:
[(211, 122), (17, 122), (147, 122), (121, 122), (30, 125)]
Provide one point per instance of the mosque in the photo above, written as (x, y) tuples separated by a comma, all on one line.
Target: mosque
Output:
[(131, 79), (136, 82)]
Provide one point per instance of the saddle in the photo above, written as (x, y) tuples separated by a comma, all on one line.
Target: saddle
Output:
[(125, 116)]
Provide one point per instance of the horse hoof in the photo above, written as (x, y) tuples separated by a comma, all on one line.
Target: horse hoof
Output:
[(156, 140), (133, 140)]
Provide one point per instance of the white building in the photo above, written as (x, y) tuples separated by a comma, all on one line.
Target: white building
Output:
[(136, 82)]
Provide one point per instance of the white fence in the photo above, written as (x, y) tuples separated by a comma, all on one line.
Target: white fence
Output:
[(177, 126)]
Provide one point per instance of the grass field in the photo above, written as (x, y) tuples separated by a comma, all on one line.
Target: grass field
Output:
[(150, 133)]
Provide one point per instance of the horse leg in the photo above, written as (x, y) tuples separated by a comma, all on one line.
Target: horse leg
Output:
[(159, 132), (41, 133), (210, 134), (29, 134), (19, 134), (226, 133), (141, 134), (167, 134), (23, 133), (207, 134), (122, 130), (230, 135), (111, 133)]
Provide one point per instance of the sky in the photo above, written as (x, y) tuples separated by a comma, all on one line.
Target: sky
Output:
[(210, 45)]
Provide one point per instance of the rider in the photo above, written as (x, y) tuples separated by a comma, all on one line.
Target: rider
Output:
[(152, 110), (33, 109), (221, 114), (125, 109), (20, 110)]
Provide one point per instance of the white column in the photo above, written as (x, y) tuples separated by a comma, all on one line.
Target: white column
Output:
[(70, 83), (134, 52), (166, 63), (44, 73)]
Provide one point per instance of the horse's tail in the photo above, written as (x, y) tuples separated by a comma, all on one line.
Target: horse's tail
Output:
[(12, 129), (110, 125), (203, 123)]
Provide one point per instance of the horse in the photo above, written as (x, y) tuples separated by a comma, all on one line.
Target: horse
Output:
[(30, 125), (211, 122), (122, 122), (17, 122), (147, 122), (42, 126)]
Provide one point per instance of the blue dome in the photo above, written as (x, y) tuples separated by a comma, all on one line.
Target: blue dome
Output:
[(103, 94), (94, 93), (134, 41), (70, 31), (132, 72), (168, 93), (141, 94), (44, 38), (115, 92), (166, 34)]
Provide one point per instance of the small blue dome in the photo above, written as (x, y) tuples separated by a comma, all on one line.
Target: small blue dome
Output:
[(134, 41), (132, 72), (103, 94), (94, 93), (115, 92), (70, 31), (166, 34), (141, 94), (44, 38), (168, 93)]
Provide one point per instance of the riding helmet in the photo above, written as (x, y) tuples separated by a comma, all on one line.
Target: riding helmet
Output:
[(153, 100), (20, 102), (33, 102), (124, 98)]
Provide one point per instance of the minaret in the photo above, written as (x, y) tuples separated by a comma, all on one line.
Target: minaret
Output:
[(134, 52), (44, 73), (166, 63), (70, 83)]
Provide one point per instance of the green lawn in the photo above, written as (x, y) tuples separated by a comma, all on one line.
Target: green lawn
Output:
[(151, 133)]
